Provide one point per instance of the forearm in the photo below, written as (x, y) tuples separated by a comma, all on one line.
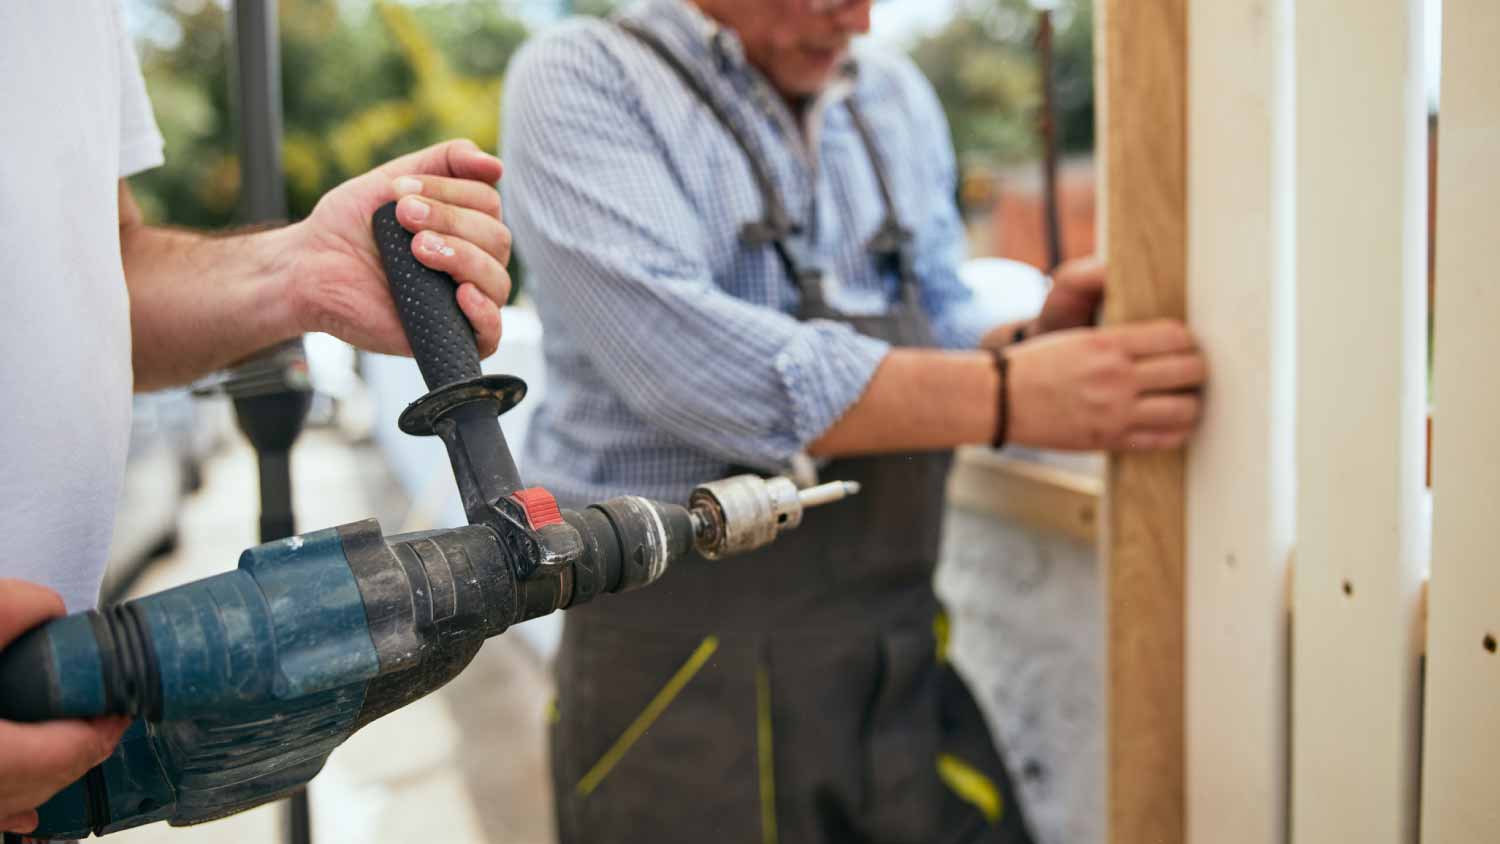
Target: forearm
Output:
[(199, 303), (919, 400)]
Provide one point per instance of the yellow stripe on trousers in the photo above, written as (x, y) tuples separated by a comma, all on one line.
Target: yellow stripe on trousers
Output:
[(766, 755), (971, 785), (648, 716)]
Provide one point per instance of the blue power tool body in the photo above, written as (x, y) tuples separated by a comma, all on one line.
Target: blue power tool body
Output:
[(244, 682)]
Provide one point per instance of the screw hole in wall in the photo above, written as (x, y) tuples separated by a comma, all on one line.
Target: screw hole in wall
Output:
[(1348, 588), (1489, 642)]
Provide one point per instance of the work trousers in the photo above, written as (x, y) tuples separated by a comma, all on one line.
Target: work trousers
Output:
[(796, 737)]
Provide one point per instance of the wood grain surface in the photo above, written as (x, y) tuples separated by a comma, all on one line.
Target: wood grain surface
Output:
[(1144, 58)]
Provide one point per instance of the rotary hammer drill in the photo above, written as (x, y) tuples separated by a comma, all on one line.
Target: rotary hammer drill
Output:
[(244, 682)]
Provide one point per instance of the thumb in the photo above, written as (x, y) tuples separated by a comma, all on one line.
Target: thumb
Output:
[(23, 606), (22, 822), (59, 752), (462, 159), (1081, 275)]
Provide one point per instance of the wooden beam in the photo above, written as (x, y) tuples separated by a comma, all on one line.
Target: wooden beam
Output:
[(1032, 494), (1462, 737), (1361, 294), (1240, 470), (1144, 119)]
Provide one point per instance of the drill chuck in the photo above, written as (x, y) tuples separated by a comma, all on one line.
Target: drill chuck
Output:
[(745, 512)]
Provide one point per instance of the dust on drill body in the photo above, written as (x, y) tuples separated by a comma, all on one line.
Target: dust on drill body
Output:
[(244, 682), (247, 680)]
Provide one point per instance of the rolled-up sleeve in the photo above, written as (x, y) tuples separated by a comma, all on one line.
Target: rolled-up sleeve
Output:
[(618, 259)]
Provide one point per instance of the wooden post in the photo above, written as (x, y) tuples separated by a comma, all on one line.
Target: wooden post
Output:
[(1360, 261), (1145, 78), (1240, 469), (1462, 737)]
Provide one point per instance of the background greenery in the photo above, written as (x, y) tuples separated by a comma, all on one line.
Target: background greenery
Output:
[(360, 85), (365, 81), (984, 67)]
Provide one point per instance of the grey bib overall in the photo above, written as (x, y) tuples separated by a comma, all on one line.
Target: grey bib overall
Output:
[(799, 693)]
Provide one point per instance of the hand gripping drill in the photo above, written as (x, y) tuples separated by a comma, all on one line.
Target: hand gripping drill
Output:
[(244, 682)]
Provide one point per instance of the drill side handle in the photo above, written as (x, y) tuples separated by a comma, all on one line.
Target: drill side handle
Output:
[(462, 403)]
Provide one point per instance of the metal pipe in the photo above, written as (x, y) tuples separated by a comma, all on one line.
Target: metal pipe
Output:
[(273, 420), (257, 87), (1048, 127)]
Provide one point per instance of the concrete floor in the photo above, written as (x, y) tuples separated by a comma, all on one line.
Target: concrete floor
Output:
[(466, 764)]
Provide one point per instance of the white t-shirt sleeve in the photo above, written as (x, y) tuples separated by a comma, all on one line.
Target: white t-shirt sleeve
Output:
[(140, 141)]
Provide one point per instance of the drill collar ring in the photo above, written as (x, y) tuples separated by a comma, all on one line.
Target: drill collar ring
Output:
[(422, 415)]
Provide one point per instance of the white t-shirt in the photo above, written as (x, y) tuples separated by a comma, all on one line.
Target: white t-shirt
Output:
[(74, 120)]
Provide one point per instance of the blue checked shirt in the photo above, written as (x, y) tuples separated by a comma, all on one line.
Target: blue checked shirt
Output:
[(673, 351)]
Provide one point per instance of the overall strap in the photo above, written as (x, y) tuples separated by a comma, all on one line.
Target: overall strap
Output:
[(775, 227), (776, 224), (892, 240)]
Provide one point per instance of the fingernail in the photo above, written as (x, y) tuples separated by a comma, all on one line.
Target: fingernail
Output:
[(435, 244), (408, 184), (417, 209)]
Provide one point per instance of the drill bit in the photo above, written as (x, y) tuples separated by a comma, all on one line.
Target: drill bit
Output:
[(827, 493)]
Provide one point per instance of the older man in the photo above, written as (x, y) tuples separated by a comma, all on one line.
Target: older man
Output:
[(745, 249)]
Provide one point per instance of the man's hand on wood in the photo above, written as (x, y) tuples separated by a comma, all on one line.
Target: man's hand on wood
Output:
[(1120, 387)]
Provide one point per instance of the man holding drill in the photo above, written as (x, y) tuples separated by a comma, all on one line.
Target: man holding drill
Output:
[(745, 252), (99, 303)]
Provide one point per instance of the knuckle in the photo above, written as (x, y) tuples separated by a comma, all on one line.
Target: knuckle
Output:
[(1105, 342), (497, 241), (467, 261), (1104, 366), (489, 201), (1096, 437), (444, 216)]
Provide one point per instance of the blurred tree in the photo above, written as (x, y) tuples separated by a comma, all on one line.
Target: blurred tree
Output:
[(361, 83), (984, 65)]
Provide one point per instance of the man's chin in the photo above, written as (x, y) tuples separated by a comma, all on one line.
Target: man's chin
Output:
[(809, 78)]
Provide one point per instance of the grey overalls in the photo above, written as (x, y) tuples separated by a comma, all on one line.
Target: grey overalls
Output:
[(799, 693)]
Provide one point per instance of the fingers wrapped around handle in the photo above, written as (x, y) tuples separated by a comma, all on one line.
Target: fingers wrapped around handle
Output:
[(441, 338)]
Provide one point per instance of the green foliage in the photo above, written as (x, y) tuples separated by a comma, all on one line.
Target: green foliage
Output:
[(361, 83), (984, 66)]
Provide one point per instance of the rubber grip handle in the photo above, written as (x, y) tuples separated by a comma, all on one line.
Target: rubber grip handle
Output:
[(442, 340)]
